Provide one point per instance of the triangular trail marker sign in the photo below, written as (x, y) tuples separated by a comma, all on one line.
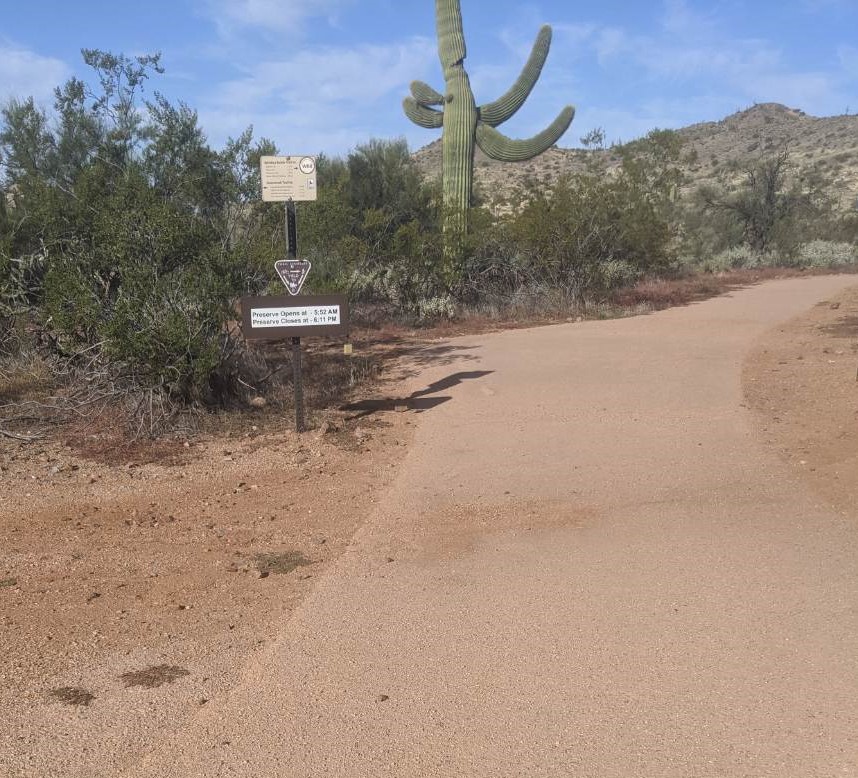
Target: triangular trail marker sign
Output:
[(293, 273)]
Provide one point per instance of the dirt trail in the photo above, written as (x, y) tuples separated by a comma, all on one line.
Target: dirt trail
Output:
[(596, 559)]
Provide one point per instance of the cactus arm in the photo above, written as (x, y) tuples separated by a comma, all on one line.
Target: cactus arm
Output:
[(451, 38), (425, 94), (504, 149), (421, 115), (504, 107)]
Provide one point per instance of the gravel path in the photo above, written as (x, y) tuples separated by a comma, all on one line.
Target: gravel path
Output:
[(599, 570), (590, 564)]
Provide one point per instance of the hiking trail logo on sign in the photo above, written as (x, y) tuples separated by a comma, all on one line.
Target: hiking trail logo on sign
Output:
[(293, 273)]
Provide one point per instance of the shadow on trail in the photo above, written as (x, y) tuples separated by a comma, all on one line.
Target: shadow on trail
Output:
[(416, 401), (418, 354)]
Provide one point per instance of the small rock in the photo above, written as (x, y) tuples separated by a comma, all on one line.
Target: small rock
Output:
[(258, 402), (263, 574), (382, 698)]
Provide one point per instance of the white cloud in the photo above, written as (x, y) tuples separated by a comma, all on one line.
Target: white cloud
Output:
[(611, 42), (702, 52), (24, 73), (340, 90), (331, 75), (272, 16)]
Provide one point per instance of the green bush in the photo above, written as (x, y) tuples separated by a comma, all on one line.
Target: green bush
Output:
[(826, 253), (590, 234), (126, 239)]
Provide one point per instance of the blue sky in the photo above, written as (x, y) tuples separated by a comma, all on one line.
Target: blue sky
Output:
[(325, 75)]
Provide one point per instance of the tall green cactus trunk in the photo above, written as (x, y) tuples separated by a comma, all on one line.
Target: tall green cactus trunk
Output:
[(458, 143), (466, 125)]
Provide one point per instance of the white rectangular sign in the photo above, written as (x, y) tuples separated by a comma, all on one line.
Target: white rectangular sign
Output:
[(288, 178), (313, 315)]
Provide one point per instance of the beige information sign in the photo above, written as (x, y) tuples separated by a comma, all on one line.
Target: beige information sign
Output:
[(288, 178)]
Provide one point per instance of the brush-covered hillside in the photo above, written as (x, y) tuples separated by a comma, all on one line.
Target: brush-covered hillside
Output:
[(821, 149)]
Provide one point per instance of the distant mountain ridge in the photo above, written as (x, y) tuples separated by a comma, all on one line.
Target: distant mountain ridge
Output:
[(826, 147)]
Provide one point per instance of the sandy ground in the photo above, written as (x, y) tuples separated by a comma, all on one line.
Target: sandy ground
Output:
[(600, 556), (189, 568), (802, 382)]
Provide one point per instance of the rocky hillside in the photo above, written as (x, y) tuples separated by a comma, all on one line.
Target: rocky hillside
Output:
[(826, 147)]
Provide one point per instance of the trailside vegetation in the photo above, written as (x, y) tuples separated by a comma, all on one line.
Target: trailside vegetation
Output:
[(126, 240)]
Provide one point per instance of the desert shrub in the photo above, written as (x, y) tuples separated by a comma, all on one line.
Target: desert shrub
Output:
[(737, 257), (590, 234), (440, 307), (826, 253), (773, 209), (403, 275), (125, 239)]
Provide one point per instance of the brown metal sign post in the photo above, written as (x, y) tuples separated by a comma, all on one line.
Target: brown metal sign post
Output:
[(297, 377), (298, 385), (289, 179)]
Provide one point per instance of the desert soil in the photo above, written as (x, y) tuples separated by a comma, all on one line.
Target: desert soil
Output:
[(179, 570), (381, 597)]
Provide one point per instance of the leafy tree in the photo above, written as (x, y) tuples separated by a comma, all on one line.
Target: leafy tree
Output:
[(760, 204), (127, 236), (383, 177), (26, 142), (116, 103)]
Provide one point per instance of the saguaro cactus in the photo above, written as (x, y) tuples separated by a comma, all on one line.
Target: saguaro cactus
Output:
[(464, 123)]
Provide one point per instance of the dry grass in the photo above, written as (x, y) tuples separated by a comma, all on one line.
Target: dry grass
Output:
[(24, 374), (104, 438), (658, 294)]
